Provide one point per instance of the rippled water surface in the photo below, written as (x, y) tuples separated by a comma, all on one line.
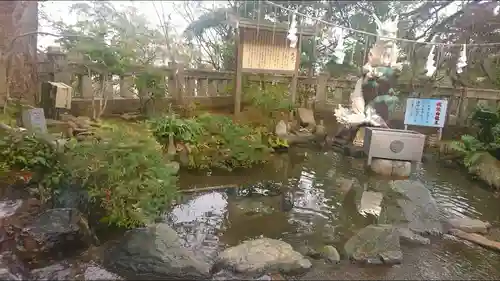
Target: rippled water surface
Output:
[(254, 204)]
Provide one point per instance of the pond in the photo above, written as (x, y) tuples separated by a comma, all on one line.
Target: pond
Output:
[(323, 211)]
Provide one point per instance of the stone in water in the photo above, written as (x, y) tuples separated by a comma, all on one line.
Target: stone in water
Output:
[(370, 203)]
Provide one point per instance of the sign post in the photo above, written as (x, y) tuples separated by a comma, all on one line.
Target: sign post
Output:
[(426, 113)]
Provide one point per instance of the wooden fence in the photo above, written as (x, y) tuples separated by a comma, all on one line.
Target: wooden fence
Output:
[(213, 89)]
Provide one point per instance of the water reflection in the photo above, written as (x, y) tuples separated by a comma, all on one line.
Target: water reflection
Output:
[(212, 221)]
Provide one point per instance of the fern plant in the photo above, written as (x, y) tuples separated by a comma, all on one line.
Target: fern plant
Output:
[(471, 148)]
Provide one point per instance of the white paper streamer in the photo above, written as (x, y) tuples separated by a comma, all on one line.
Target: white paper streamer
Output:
[(339, 52), (292, 32), (496, 11), (430, 63), (462, 60)]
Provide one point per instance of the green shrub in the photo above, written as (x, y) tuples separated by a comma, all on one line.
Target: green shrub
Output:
[(126, 175)]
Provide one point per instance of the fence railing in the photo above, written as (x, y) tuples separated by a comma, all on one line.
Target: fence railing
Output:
[(215, 88)]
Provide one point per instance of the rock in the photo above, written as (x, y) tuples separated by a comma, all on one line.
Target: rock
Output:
[(413, 208), (287, 202), (54, 231), (309, 252), (11, 268), (469, 225), (355, 151), (476, 239), (83, 122), (306, 116), (299, 138), (320, 129), (227, 275), (407, 235), (9, 207), (73, 196), (328, 235), (66, 271), (252, 206), (94, 271), (487, 168), (370, 203), (344, 185), (154, 252), (375, 245), (174, 165), (262, 255), (393, 168), (281, 129), (330, 254)]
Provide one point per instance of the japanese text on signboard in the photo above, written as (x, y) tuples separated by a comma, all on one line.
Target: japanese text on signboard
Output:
[(425, 112)]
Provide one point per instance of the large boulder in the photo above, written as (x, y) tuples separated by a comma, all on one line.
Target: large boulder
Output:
[(375, 244), (263, 255), (487, 168), (55, 231), (67, 271), (156, 253), (393, 168), (411, 205)]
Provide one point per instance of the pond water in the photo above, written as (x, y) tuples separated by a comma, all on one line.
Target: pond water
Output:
[(322, 211)]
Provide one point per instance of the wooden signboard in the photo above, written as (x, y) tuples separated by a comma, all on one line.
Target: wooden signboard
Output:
[(263, 50)]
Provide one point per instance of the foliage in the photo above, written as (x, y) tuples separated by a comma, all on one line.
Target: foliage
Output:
[(213, 141), (487, 139), (28, 155), (268, 97), (470, 147), (183, 130), (126, 175), (486, 120)]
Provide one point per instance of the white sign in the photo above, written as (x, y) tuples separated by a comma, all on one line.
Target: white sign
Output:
[(426, 112)]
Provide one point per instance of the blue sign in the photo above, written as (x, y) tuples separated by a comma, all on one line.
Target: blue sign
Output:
[(425, 112)]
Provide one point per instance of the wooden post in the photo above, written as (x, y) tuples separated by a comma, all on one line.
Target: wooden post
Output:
[(463, 108), (239, 66), (293, 86)]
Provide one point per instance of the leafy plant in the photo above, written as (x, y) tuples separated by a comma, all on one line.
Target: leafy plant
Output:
[(471, 148), (183, 130), (25, 154), (126, 175), (486, 120), (213, 141), (269, 97)]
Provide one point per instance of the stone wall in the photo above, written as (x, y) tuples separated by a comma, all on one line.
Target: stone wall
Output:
[(83, 107), (16, 18)]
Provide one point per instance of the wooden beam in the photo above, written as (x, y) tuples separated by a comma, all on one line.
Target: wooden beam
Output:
[(239, 73)]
